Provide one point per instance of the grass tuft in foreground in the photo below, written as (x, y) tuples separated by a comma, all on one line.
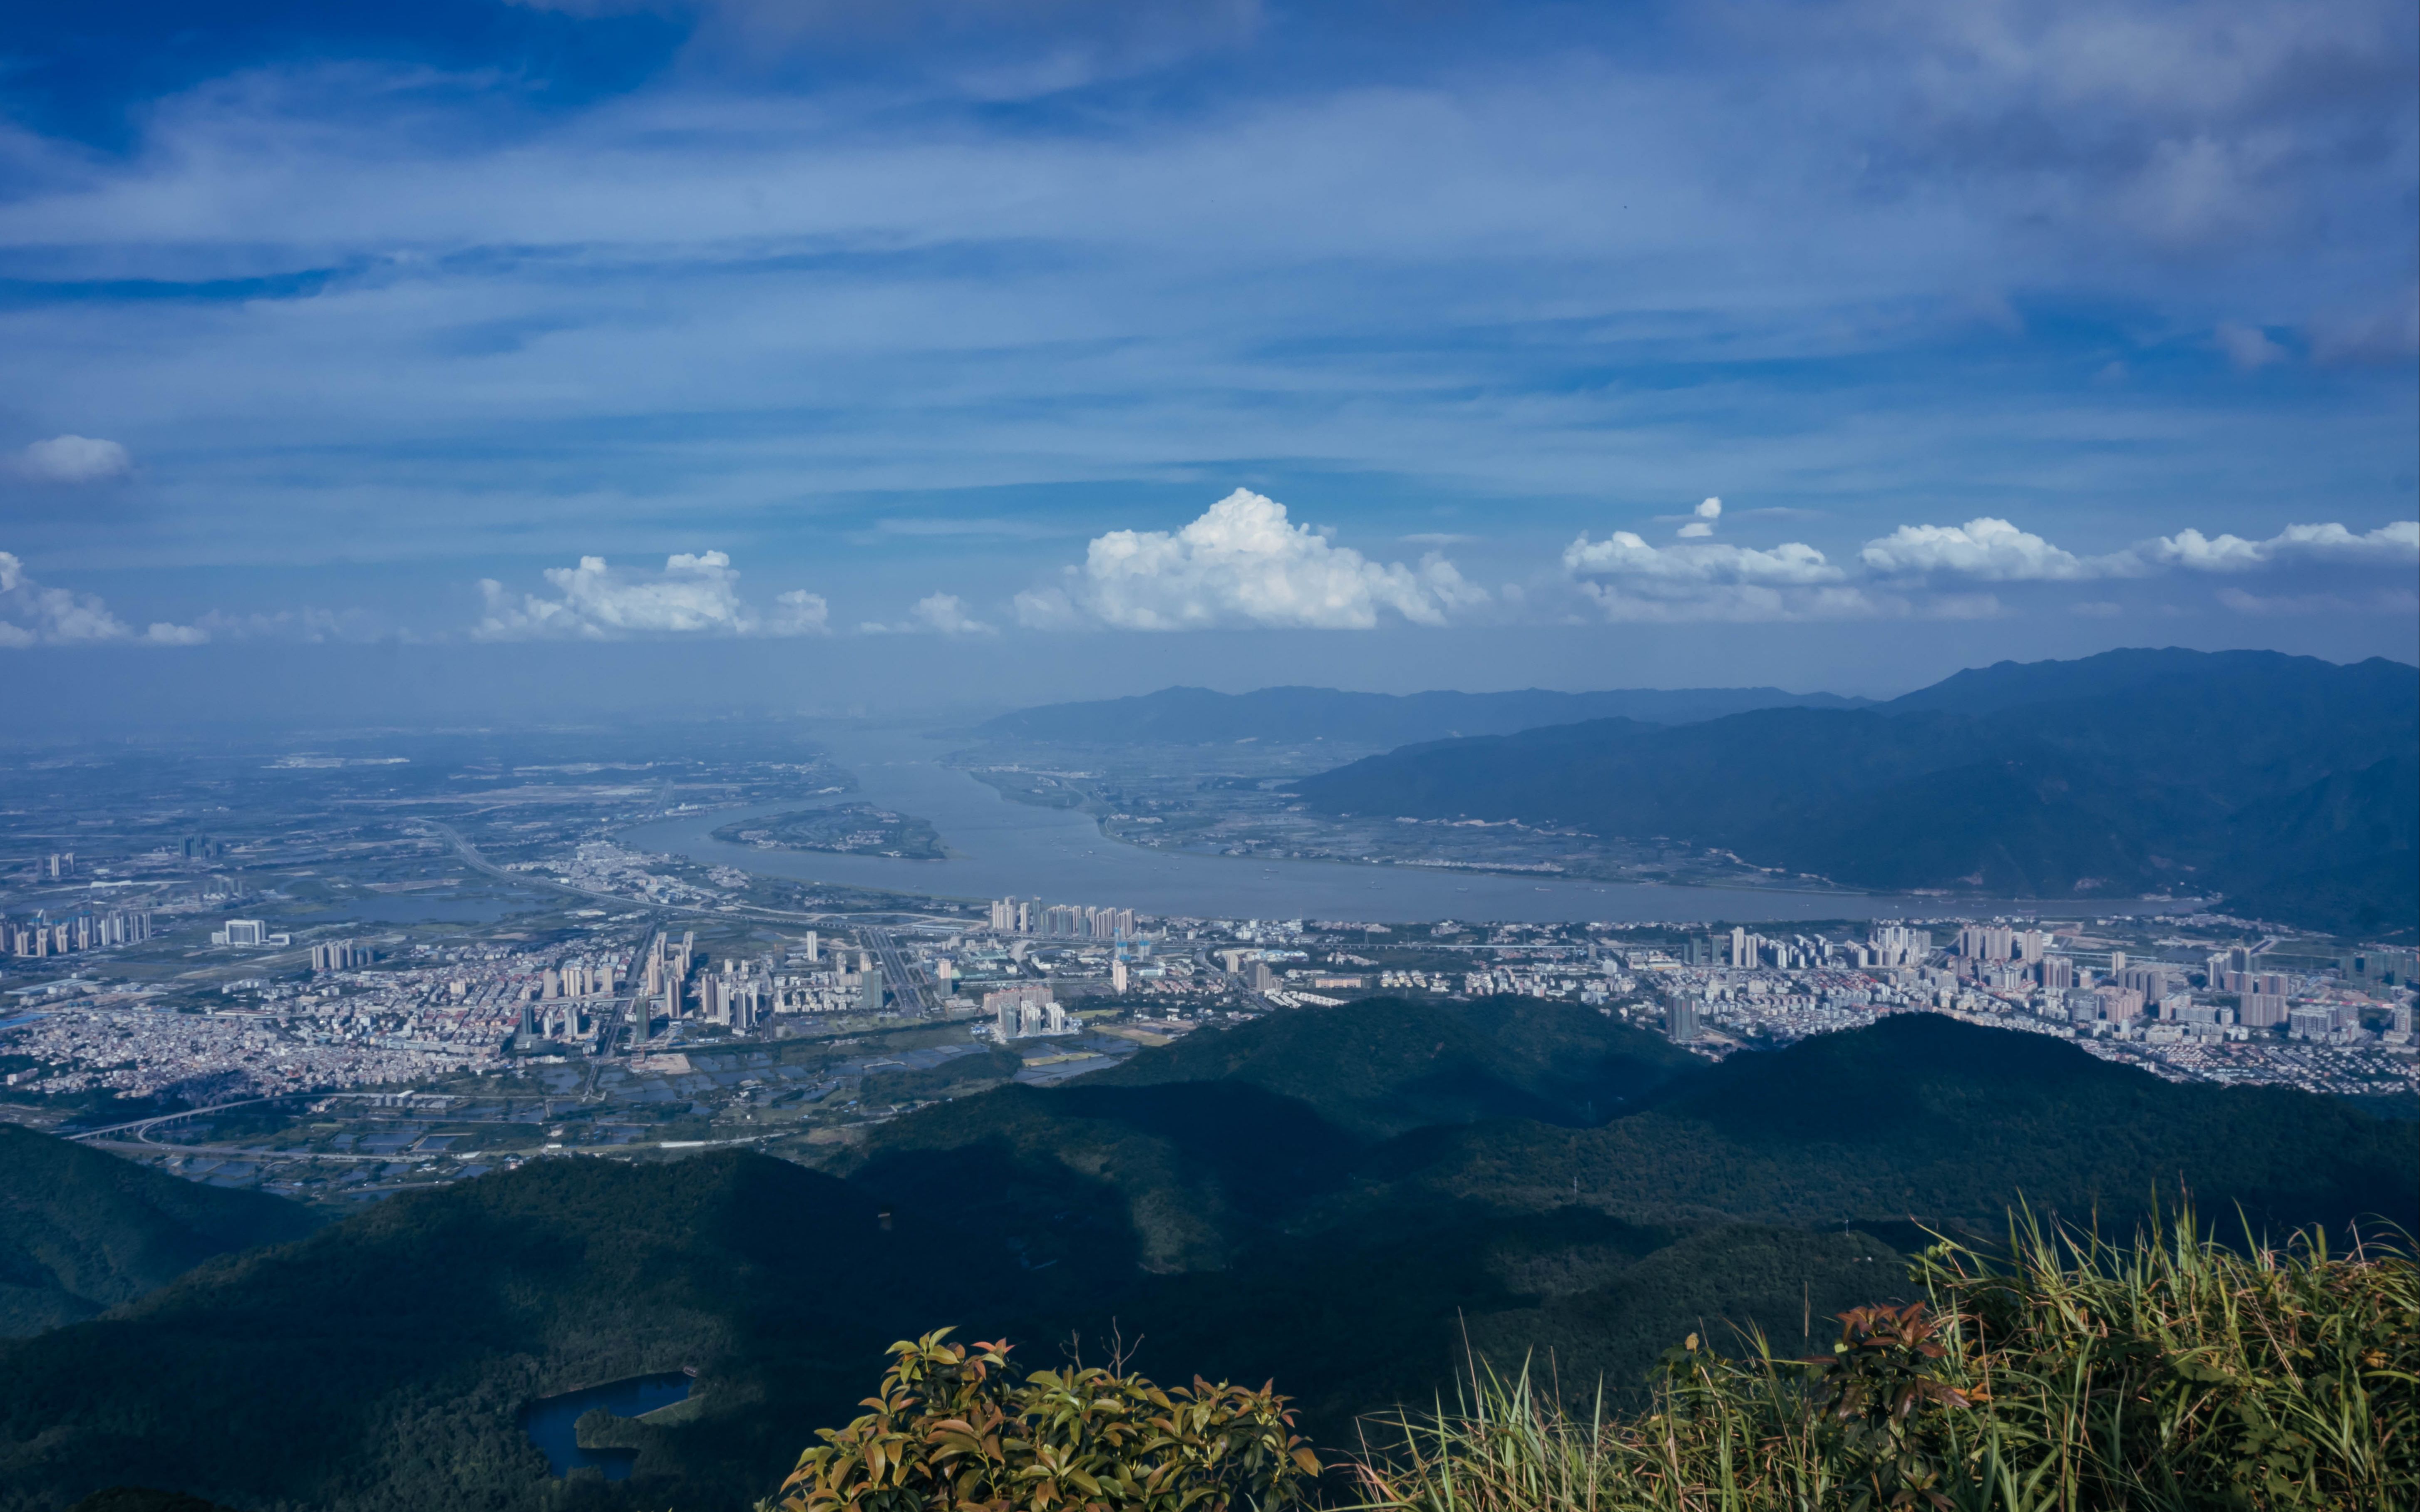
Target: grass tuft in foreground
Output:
[(2069, 1375)]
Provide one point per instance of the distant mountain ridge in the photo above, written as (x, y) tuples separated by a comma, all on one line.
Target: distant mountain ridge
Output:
[(1198, 716), (2133, 771)]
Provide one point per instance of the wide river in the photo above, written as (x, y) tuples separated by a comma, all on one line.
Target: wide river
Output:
[(1003, 849)]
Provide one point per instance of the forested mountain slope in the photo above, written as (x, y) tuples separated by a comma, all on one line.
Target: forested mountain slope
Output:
[(1342, 1201), (81, 1231), (2277, 779)]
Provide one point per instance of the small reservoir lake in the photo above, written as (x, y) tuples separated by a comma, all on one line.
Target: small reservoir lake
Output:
[(1002, 849), (553, 1422)]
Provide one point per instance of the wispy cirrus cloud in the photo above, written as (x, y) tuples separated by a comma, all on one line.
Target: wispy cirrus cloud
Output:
[(310, 625), (933, 614), (2376, 601)]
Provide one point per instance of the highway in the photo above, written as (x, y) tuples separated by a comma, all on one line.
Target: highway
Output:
[(143, 1126), (906, 983)]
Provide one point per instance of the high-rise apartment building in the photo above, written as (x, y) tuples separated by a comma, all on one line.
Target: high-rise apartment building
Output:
[(1026, 1009), (1895, 945), (1681, 1019), (2152, 981), (2261, 1010), (1988, 942), (339, 955)]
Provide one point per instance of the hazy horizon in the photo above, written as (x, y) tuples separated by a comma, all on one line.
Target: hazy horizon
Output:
[(343, 691)]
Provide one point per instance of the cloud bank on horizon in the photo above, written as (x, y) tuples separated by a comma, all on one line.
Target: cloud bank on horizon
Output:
[(32, 614), (954, 313), (1245, 563)]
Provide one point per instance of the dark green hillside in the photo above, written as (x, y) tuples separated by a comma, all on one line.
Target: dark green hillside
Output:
[(1787, 1283), (1329, 1198), (380, 1363), (1923, 1117), (81, 1231), (2368, 879), (1365, 1313), (2279, 779), (1381, 1065), (1172, 1178)]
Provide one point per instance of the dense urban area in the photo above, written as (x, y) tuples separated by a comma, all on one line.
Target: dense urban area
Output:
[(336, 977)]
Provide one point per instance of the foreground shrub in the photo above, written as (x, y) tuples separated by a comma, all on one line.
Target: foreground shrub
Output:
[(955, 1426), (2073, 1375)]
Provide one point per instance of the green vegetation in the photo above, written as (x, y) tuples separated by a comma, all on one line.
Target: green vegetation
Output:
[(82, 1231), (1347, 1201), (2282, 782), (957, 1426), (1374, 1072), (2058, 1372), (1923, 1117), (843, 828)]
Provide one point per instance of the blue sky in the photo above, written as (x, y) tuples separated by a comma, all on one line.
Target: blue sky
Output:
[(1011, 351)]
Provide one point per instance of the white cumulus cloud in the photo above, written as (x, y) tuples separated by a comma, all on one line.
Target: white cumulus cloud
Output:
[(1243, 563), (798, 613), (1991, 549), (74, 459), (1625, 555), (1994, 550), (945, 614), (1916, 571), (696, 593), (1629, 579), (1707, 512), (2396, 544), (34, 615)]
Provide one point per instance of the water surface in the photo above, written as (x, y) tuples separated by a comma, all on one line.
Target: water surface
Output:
[(553, 1422), (1002, 849)]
